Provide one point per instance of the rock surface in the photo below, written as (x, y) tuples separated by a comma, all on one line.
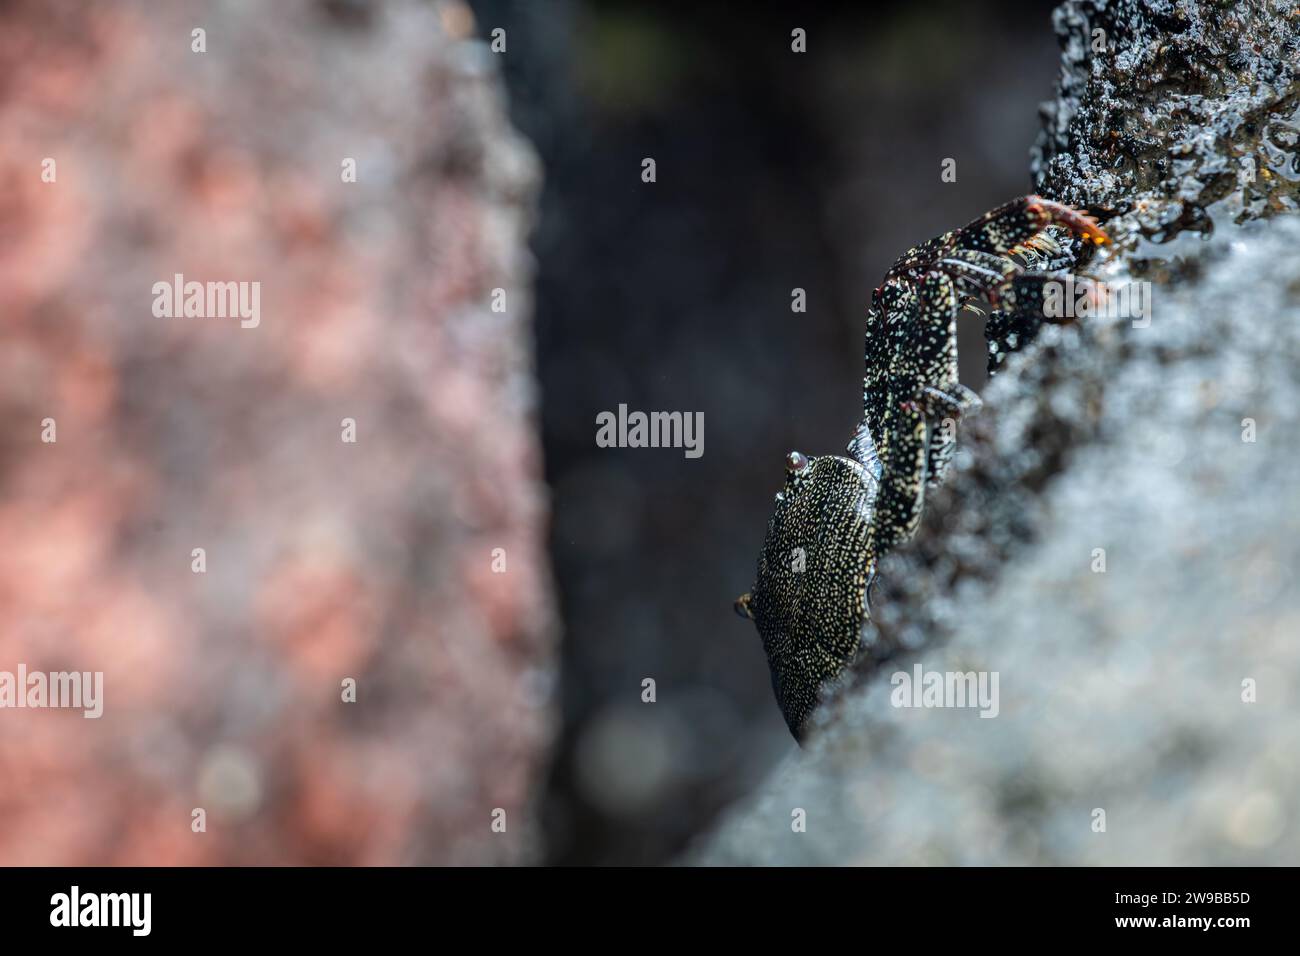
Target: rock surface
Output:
[(1161, 690), (324, 560)]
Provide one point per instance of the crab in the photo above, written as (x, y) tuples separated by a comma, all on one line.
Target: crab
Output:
[(837, 516)]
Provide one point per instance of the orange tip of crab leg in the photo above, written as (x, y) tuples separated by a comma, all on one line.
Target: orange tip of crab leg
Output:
[(1076, 220)]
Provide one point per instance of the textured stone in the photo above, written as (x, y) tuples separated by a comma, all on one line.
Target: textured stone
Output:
[(325, 560), (1120, 690)]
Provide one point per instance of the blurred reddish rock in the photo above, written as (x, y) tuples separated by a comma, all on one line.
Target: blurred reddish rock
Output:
[(325, 559)]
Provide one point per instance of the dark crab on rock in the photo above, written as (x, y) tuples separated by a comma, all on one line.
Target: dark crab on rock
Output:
[(837, 516)]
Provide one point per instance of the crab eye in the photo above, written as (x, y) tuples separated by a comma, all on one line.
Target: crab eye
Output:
[(742, 606), (796, 462)]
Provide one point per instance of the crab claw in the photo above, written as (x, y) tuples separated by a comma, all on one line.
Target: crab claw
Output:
[(742, 607)]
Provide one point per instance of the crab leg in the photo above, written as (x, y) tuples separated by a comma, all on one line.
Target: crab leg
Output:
[(923, 389), (1020, 311), (1020, 222)]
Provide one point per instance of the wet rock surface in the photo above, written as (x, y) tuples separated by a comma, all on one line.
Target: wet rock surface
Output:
[(1167, 111), (1160, 690)]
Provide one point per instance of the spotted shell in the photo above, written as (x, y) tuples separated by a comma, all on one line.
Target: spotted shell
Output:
[(809, 599)]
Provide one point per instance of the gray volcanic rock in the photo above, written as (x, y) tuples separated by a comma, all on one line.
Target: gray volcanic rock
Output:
[(1162, 689)]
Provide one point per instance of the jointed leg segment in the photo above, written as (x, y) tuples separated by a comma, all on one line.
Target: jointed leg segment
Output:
[(911, 384)]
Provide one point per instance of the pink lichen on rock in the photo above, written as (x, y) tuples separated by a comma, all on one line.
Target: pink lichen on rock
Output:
[(325, 559)]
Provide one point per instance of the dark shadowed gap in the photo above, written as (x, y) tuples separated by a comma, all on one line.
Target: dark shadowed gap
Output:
[(775, 171)]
